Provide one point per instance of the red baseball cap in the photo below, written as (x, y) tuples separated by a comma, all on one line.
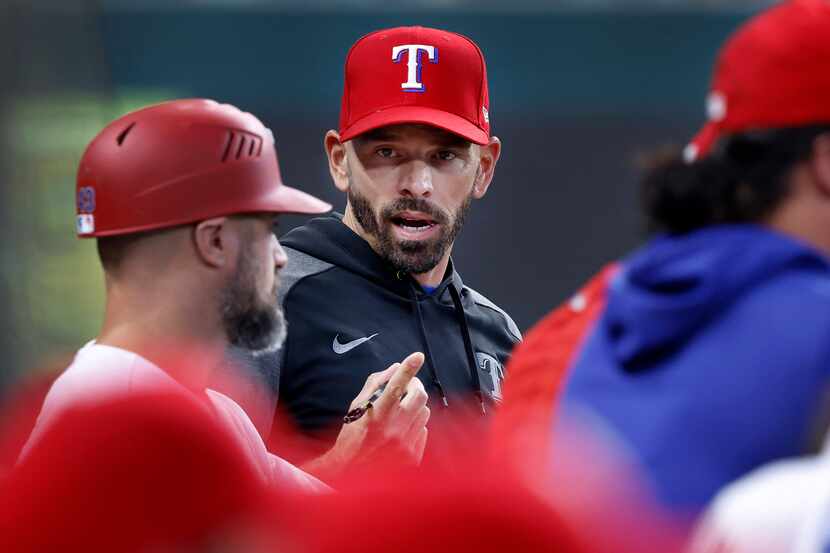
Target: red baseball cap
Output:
[(772, 73), (416, 75)]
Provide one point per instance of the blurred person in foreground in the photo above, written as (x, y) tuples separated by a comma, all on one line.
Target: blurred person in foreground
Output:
[(780, 507), (182, 198), (162, 474), (704, 354), (412, 152), (148, 471), (483, 509)]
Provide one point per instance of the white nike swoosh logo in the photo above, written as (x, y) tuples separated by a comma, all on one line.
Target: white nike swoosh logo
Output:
[(340, 349)]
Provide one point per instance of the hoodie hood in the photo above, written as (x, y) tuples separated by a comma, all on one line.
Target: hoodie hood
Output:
[(674, 285), (328, 239)]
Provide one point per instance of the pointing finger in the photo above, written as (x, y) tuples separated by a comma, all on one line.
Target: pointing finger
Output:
[(397, 384)]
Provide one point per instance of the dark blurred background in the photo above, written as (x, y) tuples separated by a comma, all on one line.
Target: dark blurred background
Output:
[(580, 90)]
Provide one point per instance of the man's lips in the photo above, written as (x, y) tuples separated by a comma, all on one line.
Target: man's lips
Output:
[(417, 218), (413, 225)]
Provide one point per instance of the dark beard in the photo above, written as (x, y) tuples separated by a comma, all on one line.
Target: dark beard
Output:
[(249, 322), (410, 256)]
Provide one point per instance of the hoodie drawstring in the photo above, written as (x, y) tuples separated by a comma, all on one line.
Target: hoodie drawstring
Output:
[(461, 316), (430, 361)]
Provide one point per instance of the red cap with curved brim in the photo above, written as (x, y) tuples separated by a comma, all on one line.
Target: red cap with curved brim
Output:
[(772, 73), (416, 75)]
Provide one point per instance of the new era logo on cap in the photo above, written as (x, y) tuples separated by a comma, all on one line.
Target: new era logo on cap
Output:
[(716, 106), (445, 70)]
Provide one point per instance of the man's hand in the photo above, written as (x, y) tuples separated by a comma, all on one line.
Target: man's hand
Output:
[(393, 429)]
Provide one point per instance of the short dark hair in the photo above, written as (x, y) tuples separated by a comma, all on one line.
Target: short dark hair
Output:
[(112, 250), (743, 179)]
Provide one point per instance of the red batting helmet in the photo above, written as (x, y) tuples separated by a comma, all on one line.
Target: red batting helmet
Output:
[(180, 162)]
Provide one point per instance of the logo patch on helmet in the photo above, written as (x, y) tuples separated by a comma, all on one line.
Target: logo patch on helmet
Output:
[(86, 199), (85, 223)]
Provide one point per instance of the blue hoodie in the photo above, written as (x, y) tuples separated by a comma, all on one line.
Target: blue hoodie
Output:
[(711, 357)]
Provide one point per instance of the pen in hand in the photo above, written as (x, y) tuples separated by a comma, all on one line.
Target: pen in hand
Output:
[(361, 410), (402, 378)]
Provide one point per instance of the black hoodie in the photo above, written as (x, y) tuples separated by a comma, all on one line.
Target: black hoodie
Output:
[(351, 314)]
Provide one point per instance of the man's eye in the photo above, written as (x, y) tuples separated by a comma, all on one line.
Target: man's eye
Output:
[(385, 152), (446, 155)]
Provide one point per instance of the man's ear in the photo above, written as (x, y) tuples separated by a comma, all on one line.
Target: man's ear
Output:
[(214, 243), (820, 162), (338, 164), (488, 157)]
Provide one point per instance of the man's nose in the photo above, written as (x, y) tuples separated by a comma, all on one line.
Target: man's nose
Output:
[(280, 258), (416, 180)]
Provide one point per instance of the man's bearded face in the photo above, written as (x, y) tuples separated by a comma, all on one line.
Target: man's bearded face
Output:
[(252, 318), (409, 255)]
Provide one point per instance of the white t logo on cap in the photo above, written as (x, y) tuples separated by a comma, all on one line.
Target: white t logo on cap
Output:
[(413, 63)]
